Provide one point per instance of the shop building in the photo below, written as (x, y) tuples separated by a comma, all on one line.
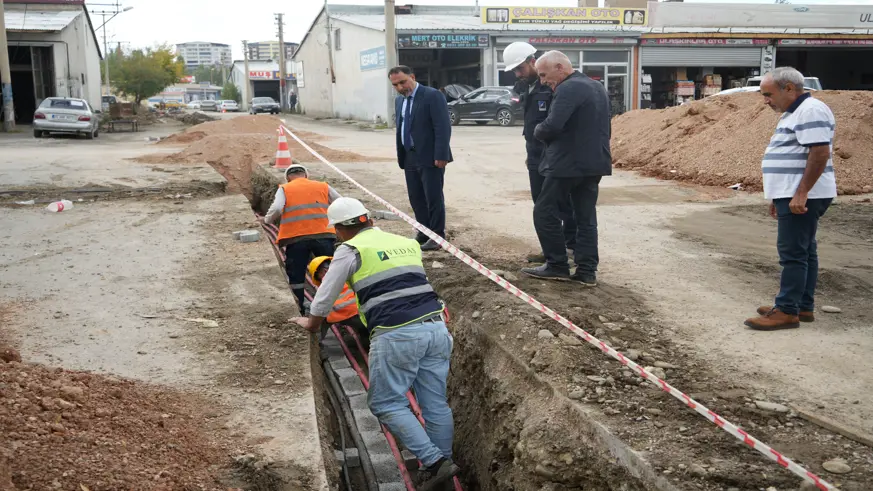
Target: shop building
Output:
[(455, 45), (53, 52), (264, 78)]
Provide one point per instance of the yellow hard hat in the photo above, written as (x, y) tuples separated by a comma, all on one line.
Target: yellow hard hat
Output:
[(315, 264)]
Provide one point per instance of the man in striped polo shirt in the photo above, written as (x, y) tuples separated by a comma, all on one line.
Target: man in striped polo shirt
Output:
[(799, 181)]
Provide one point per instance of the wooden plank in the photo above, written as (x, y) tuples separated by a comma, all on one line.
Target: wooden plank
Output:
[(834, 426)]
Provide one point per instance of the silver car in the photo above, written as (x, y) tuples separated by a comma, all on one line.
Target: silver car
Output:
[(66, 115)]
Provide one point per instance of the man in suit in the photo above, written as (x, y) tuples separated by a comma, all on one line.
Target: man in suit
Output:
[(423, 134)]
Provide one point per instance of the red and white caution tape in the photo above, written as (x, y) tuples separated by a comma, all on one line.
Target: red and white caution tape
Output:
[(707, 413)]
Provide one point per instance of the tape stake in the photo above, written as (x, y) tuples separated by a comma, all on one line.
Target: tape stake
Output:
[(699, 408)]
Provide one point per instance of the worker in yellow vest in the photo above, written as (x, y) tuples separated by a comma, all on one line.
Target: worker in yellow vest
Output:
[(345, 308), (300, 206), (410, 346)]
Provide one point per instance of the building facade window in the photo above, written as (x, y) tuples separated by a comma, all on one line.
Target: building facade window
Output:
[(337, 40)]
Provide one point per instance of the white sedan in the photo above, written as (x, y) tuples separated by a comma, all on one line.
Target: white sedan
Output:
[(228, 106), (193, 105)]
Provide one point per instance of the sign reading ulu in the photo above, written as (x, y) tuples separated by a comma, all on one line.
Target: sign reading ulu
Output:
[(564, 15)]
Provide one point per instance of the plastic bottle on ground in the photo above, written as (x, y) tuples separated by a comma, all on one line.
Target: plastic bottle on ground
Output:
[(62, 205)]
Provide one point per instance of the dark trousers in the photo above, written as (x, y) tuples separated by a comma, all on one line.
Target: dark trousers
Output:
[(547, 222), (425, 188), (565, 208), (297, 257), (798, 254)]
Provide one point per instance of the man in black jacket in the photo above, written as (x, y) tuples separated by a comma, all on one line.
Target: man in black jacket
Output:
[(536, 98), (576, 134)]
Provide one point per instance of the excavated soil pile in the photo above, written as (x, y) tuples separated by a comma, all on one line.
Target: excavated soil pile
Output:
[(75, 430), (719, 141), (193, 118), (235, 146)]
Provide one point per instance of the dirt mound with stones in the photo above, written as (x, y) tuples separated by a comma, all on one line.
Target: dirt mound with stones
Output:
[(74, 430), (720, 141), (236, 146)]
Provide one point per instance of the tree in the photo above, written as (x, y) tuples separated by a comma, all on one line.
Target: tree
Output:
[(144, 73), (207, 73), (230, 92)]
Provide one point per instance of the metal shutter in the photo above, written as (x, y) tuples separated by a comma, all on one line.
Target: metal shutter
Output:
[(684, 56)]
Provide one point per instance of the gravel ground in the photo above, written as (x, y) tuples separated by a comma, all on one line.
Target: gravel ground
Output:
[(76, 430), (719, 141)]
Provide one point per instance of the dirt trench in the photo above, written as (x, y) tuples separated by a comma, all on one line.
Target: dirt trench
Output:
[(537, 409)]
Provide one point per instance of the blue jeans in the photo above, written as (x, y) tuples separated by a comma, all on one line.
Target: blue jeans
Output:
[(414, 356), (798, 254)]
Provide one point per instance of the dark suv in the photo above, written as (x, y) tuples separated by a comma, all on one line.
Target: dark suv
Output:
[(264, 105), (486, 104)]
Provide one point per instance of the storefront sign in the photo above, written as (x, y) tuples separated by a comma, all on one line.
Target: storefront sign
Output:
[(785, 15), (443, 40), (54, 2), (373, 59), (704, 42), (564, 15), (187, 79), (268, 75), (826, 42), (580, 40)]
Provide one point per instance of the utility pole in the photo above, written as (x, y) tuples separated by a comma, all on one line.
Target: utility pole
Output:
[(103, 13), (283, 96), (8, 112), (248, 86), (390, 54)]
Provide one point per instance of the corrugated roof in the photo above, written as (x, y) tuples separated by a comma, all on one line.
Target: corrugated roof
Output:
[(472, 23), (39, 20)]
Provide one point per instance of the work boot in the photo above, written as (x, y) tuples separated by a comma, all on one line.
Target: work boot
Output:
[(804, 316), (774, 320), (430, 245), (420, 238), (585, 279), (431, 478), (547, 272)]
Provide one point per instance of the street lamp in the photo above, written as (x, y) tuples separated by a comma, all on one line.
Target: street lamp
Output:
[(105, 48)]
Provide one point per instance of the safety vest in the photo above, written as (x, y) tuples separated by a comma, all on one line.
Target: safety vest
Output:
[(391, 286), (345, 306), (305, 210)]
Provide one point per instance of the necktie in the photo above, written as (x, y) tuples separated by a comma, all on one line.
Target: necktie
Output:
[(407, 125)]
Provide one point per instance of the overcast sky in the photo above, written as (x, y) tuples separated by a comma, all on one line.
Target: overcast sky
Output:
[(229, 22)]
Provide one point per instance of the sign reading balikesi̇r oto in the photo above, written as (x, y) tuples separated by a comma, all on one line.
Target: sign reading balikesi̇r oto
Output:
[(564, 15)]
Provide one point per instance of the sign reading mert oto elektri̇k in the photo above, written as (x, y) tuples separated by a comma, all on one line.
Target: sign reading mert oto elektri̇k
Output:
[(449, 41)]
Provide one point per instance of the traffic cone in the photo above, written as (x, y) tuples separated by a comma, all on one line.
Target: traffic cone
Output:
[(283, 153)]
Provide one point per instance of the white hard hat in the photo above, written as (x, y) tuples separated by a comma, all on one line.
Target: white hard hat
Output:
[(296, 167), (347, 211), (517, 53)]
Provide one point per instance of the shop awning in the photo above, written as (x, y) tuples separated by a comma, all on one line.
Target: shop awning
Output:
[(39, 21)]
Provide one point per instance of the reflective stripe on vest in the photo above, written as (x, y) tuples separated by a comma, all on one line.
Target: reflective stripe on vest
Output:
[(391, 285), (305, 210), (345, 307)]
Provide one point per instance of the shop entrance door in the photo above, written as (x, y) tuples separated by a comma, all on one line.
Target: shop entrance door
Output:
[(614, 79)]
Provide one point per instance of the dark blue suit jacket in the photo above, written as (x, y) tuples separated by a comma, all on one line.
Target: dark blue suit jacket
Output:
[(431, 129)]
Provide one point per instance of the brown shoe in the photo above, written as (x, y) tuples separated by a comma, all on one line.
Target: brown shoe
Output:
[(774, 320), (804, 316)]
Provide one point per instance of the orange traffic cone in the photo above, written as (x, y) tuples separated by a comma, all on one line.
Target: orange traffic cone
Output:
[(283, 153)]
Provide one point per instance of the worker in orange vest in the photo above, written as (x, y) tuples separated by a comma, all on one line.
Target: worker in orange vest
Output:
[(345, 308), (300, 206)]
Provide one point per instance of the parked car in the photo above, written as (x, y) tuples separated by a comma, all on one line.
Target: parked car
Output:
[(486, 104), (209, 105), (456, 91), (809, 83), (227, 105), (66, 115), (193, 105), (106, 100), (263, 105)]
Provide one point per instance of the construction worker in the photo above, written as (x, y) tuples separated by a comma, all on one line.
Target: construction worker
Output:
[(536, 98), (410, 345), (304, 231), (345, 308)]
